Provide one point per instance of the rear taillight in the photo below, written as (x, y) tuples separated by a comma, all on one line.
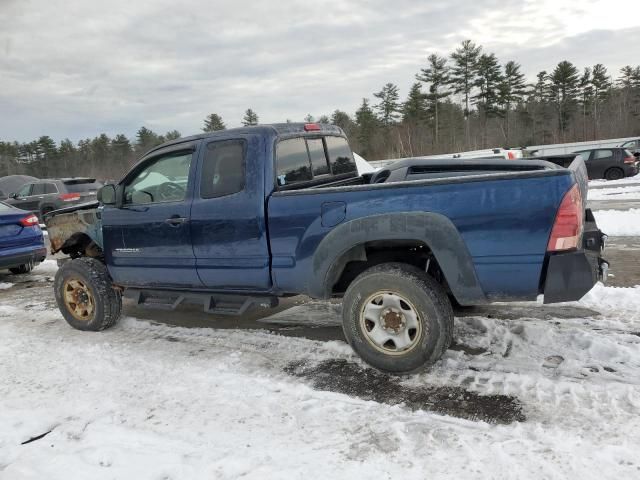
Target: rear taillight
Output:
[(29, 221), (630, 160), (311, 127), (70, 197), (567, 228)]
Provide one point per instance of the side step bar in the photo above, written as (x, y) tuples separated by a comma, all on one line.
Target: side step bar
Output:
[(215, 304)]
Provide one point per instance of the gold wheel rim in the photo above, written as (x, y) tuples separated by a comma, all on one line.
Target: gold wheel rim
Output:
[(78, 299)]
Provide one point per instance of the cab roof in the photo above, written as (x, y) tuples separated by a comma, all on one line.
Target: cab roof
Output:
[(274, 129)]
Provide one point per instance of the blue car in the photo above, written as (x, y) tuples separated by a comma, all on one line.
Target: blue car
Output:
[(21, 240)]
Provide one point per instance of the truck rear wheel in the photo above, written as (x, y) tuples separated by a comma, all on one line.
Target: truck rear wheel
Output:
[(397, 318), (85, 295)]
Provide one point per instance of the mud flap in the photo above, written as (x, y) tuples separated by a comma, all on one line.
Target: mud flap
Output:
[(571, 275)]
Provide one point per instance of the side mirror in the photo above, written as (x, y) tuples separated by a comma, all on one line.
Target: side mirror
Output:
[(13, 195), (107, 195)]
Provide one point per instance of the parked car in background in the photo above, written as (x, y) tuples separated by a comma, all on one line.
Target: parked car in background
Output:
[(633, 146), (21, 240), (48, 194), (13, 183), (609, 163)]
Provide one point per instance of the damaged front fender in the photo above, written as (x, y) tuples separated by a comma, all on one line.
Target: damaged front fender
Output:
[(76, 230)]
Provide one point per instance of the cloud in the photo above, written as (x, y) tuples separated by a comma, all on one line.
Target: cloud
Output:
[(72, 68)]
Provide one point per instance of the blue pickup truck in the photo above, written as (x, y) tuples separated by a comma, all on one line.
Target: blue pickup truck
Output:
[(242, 217)]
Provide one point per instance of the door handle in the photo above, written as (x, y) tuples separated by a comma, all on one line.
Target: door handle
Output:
[(176, 221)]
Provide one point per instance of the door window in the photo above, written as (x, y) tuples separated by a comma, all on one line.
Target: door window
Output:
[(38, 189), (25, 191), (223, 168), (599, 154), (50, 188), (163, 180)]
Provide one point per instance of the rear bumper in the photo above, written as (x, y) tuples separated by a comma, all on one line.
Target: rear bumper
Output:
[(631, 169), (570, 275), (24, 257)]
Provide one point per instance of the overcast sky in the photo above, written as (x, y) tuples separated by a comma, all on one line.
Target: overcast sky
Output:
[(75, 68)]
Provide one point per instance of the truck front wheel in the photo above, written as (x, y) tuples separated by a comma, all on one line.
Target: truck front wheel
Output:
[(397, 318), (85, 295)]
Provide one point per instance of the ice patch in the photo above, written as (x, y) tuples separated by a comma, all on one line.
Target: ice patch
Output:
[(5, 285)]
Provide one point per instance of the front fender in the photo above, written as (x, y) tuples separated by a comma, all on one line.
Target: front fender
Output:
[(433, 229)]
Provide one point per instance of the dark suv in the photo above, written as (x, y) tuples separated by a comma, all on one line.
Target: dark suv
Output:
[(46, 195), (610, 163)]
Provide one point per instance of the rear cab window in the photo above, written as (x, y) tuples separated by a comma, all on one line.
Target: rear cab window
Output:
[(310, 161)]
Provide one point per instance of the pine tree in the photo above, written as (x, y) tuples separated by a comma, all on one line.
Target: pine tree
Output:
[(213, 123), (537, 106), (463, 71), (413, 109), (512, 90), (146, 139), (564, 90), (344, 121), (250, 118), (489, 81), (309, 118), (367, 123), (389, 105), (172, 135), (323, 119), (436, 75), (601, 85), (586, 92)]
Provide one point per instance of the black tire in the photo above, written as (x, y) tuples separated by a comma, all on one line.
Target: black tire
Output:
[(423, 293), (614, 173), (106, 301), (22, 269)]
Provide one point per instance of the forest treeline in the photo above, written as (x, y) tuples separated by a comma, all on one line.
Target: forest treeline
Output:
[(464, 101)]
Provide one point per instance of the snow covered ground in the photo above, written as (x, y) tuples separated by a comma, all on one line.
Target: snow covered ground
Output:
[(615, 193), (623, 223), (527, 391), (622, 181)]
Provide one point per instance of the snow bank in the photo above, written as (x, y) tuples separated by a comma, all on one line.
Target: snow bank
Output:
[(5, 285), (624, 223)]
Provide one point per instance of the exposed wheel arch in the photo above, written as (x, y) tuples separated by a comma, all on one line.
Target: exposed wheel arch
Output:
[(81, 245), (349, 242)]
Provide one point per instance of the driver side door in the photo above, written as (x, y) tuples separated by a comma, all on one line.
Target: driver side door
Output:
[(149, 232)]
